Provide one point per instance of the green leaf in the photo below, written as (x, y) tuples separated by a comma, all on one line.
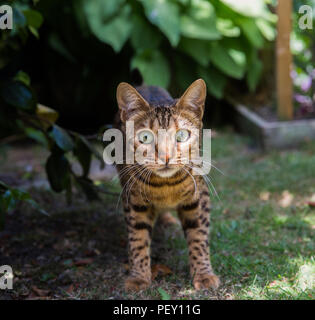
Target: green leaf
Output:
[(227, 28), (153, 67), (251, 32), (18, 95), (143, 35), (10, 197), (10, 201), (83, 153), (251, 8), (33, 18), (164, 295), (267, 30), (58, 171), (62, 138), (94, 151), (88, 188), (113, 29), (36, 206), (34, 31), (197, 49), (56, 43), (19, 20), (254, 72), (165, 15), (185, 74), (224, 62), (37, 135), (238, 56), (215, 81), (199, 29), (199, 21), (23, 77)]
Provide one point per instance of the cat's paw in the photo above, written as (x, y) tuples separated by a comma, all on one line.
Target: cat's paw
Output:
[(134, 284), (206, 281)]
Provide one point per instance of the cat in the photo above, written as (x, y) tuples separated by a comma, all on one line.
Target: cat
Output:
[(154, 187)]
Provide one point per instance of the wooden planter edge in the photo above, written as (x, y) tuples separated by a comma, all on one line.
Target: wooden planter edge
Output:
[(273, 135)]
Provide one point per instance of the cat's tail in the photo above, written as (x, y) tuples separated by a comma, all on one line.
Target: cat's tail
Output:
[(136, 78)]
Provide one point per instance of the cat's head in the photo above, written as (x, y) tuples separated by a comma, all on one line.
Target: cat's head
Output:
[(168, 135)]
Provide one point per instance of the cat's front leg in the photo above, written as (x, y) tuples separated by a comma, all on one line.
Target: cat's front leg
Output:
[(140, 220), (194, 216)]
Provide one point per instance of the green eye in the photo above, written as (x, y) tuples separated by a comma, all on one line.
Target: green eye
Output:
[(182, 135), (145, 136)]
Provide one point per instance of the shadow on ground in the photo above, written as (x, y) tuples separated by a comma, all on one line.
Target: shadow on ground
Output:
[(262, 244)]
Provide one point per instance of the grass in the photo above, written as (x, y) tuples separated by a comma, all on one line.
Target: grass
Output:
[(262, 236)]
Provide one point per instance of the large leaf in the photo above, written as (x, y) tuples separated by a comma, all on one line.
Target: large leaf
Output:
[(250, 8), (224, 62), (251, 32), (144, 35), (37, 135), (62, 138), (238, 56), (215, 80), (111, 27), (23, 77), (58, 171), (200, 21), (153, 67), (19, 95), (185, 72), (88, 188), (92, 149), (10, 197), (47, 115), (33, 18), (227, 28), (267, 30), (56, 43), (197, 49), (165, 15), (83, 153), (199, 29), (254, 71)]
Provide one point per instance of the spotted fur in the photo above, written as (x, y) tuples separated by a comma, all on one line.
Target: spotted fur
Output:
[(152, 190)]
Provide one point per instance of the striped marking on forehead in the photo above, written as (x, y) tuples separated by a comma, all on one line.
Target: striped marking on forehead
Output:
[(163, 115)]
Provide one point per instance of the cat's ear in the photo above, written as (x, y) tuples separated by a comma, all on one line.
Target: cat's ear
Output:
[(130, 102), (194, 98)]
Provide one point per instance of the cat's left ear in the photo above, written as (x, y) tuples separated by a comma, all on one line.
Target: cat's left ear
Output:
[(194, 98), (130, 102)]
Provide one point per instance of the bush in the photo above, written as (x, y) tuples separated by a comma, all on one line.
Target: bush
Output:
[(175, 41), (171, 43)]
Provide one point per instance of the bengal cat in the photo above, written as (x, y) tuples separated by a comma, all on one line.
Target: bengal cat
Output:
[(154, 187)]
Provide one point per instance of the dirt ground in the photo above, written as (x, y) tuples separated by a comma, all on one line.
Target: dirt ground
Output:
[(262, 232)]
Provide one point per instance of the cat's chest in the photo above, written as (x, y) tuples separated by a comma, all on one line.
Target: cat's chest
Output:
[(170, 196)]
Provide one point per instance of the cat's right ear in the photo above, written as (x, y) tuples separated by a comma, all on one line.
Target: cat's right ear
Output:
[(130, 102)]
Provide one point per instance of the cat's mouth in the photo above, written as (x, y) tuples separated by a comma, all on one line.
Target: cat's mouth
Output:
[(166, 171)]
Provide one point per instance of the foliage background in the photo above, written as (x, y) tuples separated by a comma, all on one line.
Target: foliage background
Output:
[(71, 54)]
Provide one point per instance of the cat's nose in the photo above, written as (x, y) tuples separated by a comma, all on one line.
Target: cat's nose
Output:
[(167, 159)]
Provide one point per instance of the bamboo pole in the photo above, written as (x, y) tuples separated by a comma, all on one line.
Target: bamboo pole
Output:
[(284, 60)]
